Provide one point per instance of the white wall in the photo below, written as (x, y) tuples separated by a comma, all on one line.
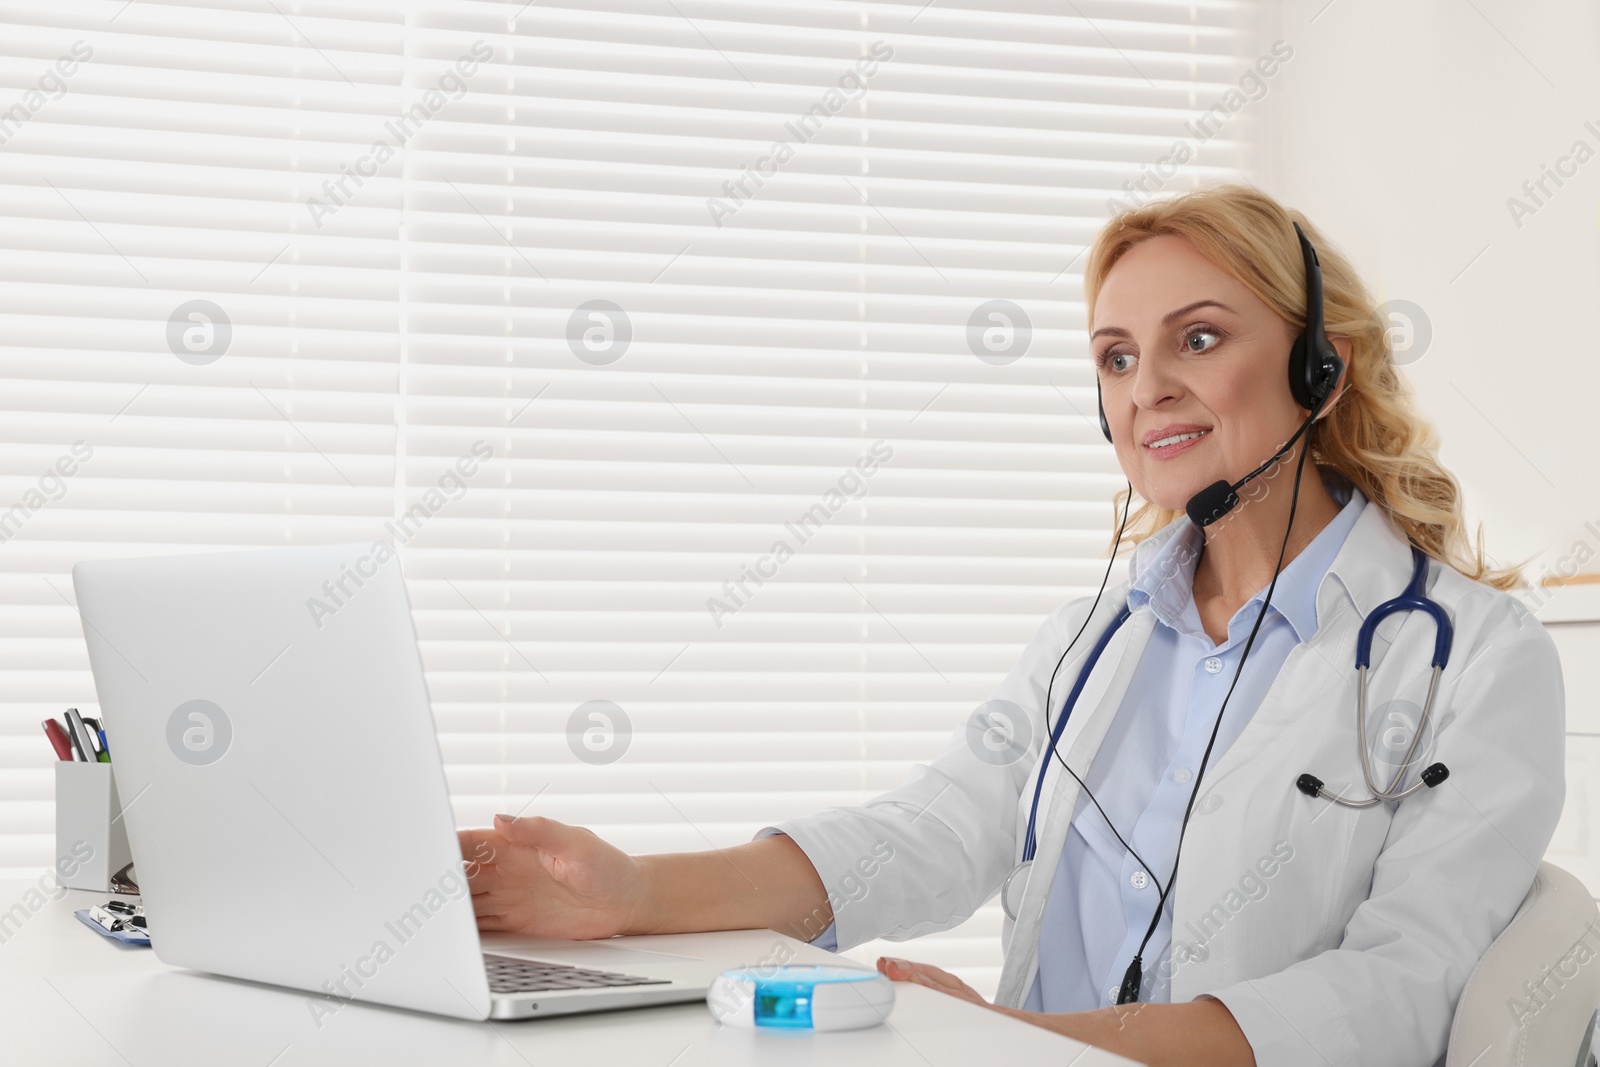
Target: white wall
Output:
[(1403, 130)]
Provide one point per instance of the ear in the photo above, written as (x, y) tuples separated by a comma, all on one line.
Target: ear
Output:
[(1343, 347)]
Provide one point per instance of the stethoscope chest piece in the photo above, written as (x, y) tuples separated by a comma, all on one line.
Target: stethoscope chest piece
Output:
[(1013, 888)]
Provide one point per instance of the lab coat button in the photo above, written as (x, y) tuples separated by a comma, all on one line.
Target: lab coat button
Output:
[(1139, 879), (1213, 665)]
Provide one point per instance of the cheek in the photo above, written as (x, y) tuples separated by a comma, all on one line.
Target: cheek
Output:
[(1236, 407), (1235, 397)]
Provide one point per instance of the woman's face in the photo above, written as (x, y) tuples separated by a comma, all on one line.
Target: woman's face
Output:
[(1193, 372)]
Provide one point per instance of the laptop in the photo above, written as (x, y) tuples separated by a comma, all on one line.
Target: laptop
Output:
[(275, 752)]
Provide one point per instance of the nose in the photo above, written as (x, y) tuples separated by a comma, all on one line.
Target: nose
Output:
[(1154, 382)]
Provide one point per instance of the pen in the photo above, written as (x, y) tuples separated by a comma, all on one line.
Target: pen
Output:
[(74, 737), (58, 739), (80, 736), (97, 739)]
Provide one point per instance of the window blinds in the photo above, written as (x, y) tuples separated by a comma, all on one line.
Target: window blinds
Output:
[(220, 373), (718, 366)]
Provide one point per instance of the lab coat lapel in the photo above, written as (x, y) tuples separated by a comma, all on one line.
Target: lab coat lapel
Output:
[(1097, 705)]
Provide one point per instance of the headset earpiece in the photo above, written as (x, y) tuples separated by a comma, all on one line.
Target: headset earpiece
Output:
[(1314, 364)]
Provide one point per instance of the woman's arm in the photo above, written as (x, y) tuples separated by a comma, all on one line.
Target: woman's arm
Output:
[(542, 877), (918, 858), (1201, 1033), (761, 885)]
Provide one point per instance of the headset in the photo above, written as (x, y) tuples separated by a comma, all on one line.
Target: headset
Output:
[(1314, 367)]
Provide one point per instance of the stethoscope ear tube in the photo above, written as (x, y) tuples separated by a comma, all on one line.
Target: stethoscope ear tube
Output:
[(1415, 598)]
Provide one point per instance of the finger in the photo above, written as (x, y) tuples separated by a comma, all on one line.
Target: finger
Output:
[(902, 970), (481, 877), (478, 846), (484, 853), (906, 970), (928, 975), (539, 832)]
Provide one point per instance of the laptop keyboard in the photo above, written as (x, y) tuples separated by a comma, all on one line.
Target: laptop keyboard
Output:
[(510, 975)]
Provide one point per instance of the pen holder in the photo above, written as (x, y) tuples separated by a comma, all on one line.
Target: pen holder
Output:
[(91, 835)]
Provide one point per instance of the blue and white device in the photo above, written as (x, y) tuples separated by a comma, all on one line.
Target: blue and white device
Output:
[(800, 996)]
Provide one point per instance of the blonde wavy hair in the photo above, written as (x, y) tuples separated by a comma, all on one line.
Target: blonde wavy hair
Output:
[(1374, 436)]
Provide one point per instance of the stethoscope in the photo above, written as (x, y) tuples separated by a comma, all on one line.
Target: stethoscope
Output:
[(1414, 598)]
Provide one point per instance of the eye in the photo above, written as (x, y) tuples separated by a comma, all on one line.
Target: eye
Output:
[(1111, 359), (1201, 339)]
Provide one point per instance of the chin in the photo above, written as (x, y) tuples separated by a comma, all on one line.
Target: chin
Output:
[(1173, 498)]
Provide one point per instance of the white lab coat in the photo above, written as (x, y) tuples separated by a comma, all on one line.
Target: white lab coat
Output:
[(1354, 948)]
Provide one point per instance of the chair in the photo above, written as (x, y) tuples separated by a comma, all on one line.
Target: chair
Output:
[(1532, 999)]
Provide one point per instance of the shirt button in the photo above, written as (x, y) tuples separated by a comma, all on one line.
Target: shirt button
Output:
[(1138, 879), (1182, 774), (1213, 665), (1111, 994)]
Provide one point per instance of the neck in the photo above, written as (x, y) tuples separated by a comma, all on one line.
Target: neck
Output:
[(1241, 548)]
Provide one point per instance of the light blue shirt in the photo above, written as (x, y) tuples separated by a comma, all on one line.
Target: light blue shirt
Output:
[(1096, 917), (1101, 899)]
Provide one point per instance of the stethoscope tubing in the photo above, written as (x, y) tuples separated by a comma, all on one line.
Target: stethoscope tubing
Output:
[(1413, 599), (1030, 845)]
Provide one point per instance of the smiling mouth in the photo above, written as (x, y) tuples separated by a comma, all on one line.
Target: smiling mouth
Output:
[(1176, 439)]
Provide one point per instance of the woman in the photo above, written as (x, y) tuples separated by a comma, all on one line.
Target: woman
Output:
[(1300, 930)]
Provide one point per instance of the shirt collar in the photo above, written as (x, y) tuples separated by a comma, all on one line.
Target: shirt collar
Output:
[(1162, 568), (1374, 563)]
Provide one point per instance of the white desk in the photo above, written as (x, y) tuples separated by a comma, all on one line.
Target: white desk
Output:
[(137, 1011)]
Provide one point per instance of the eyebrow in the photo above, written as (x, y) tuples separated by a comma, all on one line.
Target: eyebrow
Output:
[(1166, 320)]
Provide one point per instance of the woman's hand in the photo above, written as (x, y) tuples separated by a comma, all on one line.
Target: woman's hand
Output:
[(933, 977), (1197, 1034), (538, 876), (926, 974)]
